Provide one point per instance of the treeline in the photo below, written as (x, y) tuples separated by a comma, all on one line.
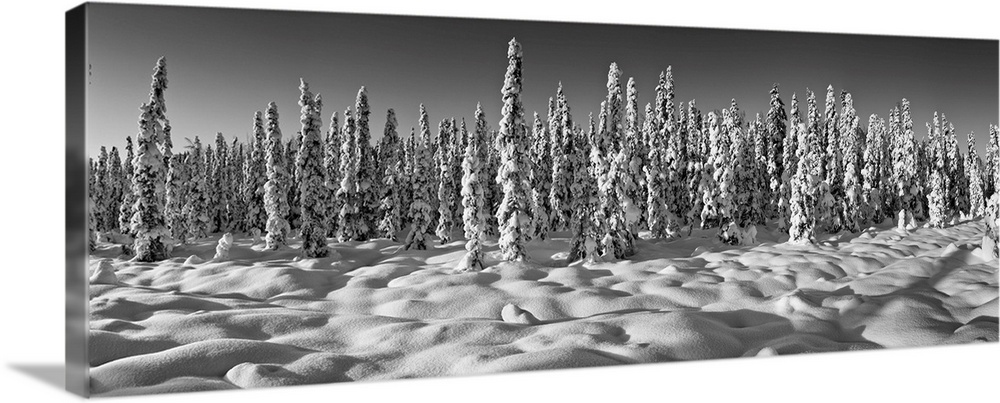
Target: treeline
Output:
[(666, 168)]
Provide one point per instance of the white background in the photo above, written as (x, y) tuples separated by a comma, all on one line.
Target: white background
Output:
[(32, 222)]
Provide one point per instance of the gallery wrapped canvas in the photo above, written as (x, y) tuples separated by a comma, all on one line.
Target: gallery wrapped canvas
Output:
[(349, 197)]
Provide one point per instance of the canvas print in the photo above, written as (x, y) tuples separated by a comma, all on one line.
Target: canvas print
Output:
[(284, 198)]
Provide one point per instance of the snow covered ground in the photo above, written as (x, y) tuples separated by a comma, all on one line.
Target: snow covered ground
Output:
[(378, 312)]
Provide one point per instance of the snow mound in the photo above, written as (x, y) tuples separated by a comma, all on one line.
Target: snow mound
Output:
[(514, 314), (222, 250), (104, 274)]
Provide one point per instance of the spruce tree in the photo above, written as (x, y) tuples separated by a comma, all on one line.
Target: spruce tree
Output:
[(514, 212), (368, 193), (776, 135), (349, 224), (331, 163), (391, 157), (128, 196), (158, 118), (634, 154), (276, 187), (148, 222), (197, 203), (804, 184), (789, 163), (990, 165), (494, 193), (291, 155), (255, 175), (474, 215), (115, 189), (831, 215), (176, 182), (237, 204), (540, 175), (977, 203), (101, 192), (446, 200), (312, 174), (585, 201), (873, 187), (958, 183), (718, 143), (91, 205), (616, 242), (696, 154), (406, 177), (905, 169), (420, 208), (221, 181), (851, 153), (563, 145), (937, 197)]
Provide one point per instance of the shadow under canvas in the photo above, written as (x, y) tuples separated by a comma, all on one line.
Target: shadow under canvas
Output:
[(51, 374)]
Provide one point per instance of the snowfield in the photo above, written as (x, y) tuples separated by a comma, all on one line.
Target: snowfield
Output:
[(374, 311)]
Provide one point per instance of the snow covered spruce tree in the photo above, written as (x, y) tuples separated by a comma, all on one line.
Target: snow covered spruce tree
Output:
[(220, 182), (991, 167), (128, 197), (656, 181), (196, 204), (291, 155), (276, 187), (904, 162), (937, 198), (514, 212), (697, 151), (368, 193), (406, 176), (993, 205), (725, 173), (158, 118), (474, 215), (254, 177), (237, 204), (312, 176), (805, 183), (851, 152), (789, 163), (115, 189), (760, 204), (677, 166), (349, 226), (446, 199), (423, 168), (873, 209), (776, 135), (101, 192), (977, 204), (831, 212), (958, 182), (177, 183), (148, 222), (91, 205), (563, 146), (630, 160), (391, 157), (540, 176), (331, 163), (585, 202), (718, 144)]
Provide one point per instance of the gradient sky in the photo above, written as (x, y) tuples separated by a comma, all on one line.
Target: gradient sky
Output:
[(224, 64)]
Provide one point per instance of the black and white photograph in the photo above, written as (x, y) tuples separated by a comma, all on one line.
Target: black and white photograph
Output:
[(435, 196), (279, 198)]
